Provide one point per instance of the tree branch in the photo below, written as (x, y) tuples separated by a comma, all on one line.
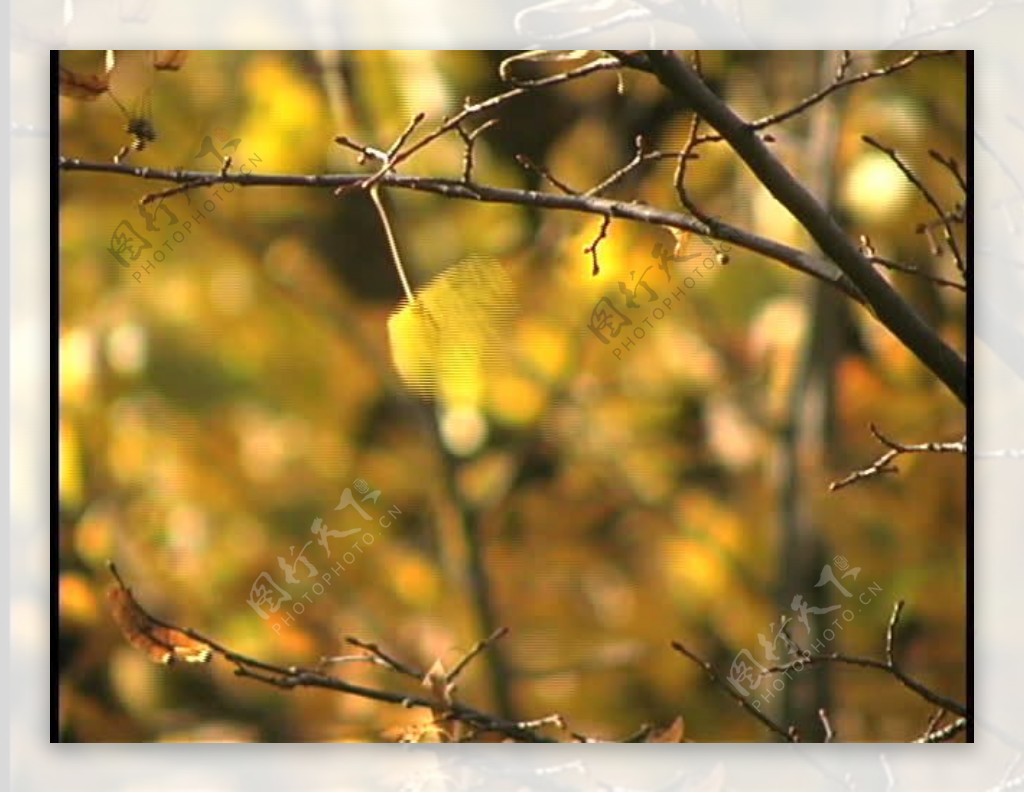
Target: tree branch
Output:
[(788, 734), (943, 734), (883, 465), (889, 666), (844, 82), (890, 308), (289, 677), (798, 260), (944, 218)]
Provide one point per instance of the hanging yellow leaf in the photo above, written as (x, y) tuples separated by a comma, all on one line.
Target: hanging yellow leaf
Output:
[(452, 340)]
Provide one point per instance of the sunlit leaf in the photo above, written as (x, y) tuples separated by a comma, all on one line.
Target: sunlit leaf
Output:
[(449, 343)]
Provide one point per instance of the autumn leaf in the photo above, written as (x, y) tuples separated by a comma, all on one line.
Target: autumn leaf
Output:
[(82, 85), (451, 340), (162, 645), (673, 733), (169, 60), (436, 681)]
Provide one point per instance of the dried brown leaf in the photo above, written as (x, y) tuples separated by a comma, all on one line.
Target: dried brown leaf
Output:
[(82, 85), (162, 645), (673, 733), (169, 60)]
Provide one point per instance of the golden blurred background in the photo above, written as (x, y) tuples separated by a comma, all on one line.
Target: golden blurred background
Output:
[(599, 500)]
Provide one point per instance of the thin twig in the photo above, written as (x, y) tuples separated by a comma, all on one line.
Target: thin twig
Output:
[(544, 173), (789, 734), (883, 465), (639, 157), (354, 659), (404, 136), (149, 198), (827, 725), (888, 666), (943, 217), (592, 247), (365, 152), (384, 658), (385, 158), (391, 155), (477, 648), (801, 261), (844, 64), (952, 166), (862, 77), (290, 677), (890, 307), (469, 139), (934, 721), (679, 179), (839, 83), (890, 633), (910, 269), (470, 109), (951, 730), (554, 720)]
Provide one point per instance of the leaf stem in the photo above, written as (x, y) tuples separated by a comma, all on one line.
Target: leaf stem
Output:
[(375, 195)]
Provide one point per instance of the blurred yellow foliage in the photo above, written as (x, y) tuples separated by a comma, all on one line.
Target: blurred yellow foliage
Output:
[(605, 495)]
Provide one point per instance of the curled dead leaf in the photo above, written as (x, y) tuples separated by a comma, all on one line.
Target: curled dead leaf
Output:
[(162, 645), (169, 60), (82, 85), (673, 733), (436, 680)]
